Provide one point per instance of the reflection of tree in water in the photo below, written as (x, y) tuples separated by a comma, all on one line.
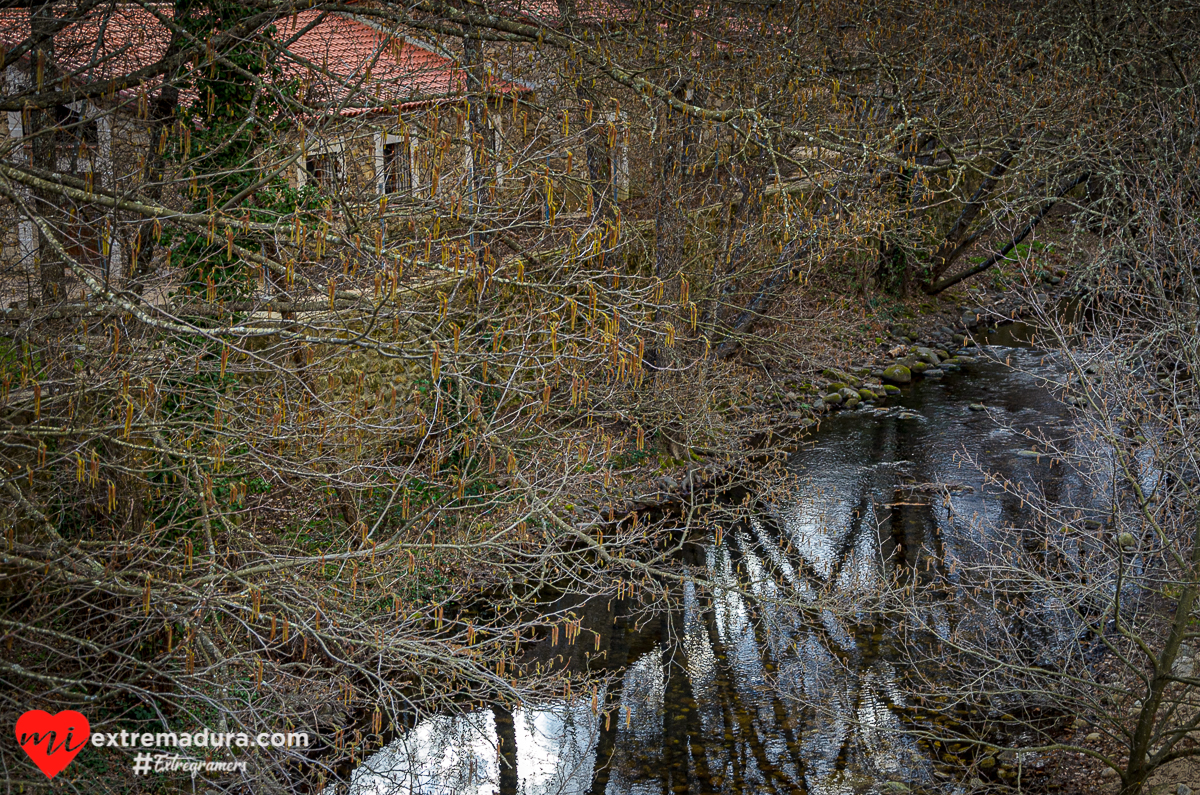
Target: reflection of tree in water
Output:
[(790, 678)]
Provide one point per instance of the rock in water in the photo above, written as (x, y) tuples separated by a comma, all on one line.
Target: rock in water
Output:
[(897, 374), (934, 372)]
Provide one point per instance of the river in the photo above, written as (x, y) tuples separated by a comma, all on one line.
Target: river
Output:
[(734, 695)]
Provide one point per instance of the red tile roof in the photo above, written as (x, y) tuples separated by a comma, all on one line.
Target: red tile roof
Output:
[(545, 12), (333, 57), (103, 45)]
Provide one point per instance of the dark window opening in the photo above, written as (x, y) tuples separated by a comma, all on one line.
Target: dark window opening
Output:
[(397, 168), (324, 171), (71, 129)]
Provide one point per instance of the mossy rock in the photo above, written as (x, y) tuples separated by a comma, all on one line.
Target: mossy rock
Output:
[(919, 367), (888, 389), (897, 374), (833, 398), (839, 378), (837, 386)]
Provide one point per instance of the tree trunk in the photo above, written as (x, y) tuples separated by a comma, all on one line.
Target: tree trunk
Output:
[(40, 123), (481, 134)]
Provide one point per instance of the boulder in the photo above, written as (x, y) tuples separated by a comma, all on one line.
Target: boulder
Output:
[(840, 378), (833, 398), (919, 367), (897, 374), (888, 389), (934, 372)]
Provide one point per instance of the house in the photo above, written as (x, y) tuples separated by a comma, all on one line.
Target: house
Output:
[(368, 121)]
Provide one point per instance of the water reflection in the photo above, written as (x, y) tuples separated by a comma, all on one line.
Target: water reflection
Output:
[(732, 696)]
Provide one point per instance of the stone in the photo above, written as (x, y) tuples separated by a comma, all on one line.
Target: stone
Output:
[(1127, 542), (1185, 663), (866, 394), (934, 372), (888, 389), (833, 398), (840, 378), (852, 403), (897, 374), (942, 354), (919, 367), (1094, 737), (1108, 772), (987, 763), (837, 386), (1183, 789), (896, 787), (970, 319), (818, 405)]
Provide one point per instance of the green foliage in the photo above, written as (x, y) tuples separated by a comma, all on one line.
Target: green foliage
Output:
[(225, 125)]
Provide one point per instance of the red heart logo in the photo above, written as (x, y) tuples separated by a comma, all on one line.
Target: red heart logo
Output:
[(52, 740)]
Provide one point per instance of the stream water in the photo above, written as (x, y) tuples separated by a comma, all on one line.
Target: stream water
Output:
[(733, 697)]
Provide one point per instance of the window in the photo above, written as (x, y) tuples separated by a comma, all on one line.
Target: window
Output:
[(82, 239), (324, 171), (397, 167), (71, 130)]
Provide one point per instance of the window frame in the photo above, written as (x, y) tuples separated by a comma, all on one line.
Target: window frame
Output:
[(383, 140), (335, 151)]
